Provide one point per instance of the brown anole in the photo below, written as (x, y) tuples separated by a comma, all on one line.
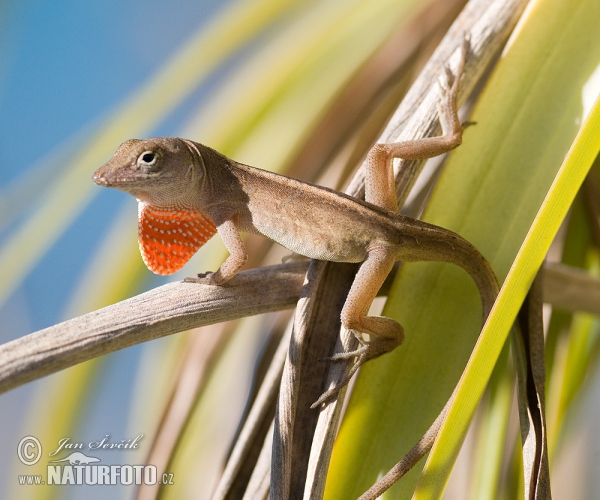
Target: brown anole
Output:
[(187, 192)]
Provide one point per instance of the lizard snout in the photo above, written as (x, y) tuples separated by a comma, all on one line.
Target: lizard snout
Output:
[(99, 179)]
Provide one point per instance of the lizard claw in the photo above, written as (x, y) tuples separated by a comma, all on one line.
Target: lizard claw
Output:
[(343, 356), (449, 84), (450, 79), (368, 350), (202, 278), (332, 393)]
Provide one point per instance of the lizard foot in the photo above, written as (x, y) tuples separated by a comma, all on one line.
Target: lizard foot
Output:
[(374, 348), (202, 278), (449, 84)]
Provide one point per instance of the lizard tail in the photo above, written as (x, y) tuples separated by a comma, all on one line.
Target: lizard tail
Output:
[(456, 250), (442, 245), (416, 453)]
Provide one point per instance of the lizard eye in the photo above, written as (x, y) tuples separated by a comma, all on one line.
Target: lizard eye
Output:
[(147, 159)]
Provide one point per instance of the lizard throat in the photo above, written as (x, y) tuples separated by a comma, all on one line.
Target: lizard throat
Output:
[(169, 238)]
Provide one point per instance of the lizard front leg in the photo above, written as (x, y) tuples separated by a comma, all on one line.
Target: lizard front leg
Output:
[(238, 256)]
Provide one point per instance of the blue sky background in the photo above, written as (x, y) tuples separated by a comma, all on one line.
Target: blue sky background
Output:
[(67, 64)]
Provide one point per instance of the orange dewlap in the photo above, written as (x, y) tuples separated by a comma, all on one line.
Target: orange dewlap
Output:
[(169, 238)]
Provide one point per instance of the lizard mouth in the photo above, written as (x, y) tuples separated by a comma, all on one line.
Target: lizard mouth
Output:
[(109, 179), (108, 176)]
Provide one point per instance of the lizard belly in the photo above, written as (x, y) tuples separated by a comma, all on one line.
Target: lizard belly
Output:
[(323, 240)]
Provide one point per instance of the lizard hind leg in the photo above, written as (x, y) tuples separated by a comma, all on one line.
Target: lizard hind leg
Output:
[(380, 188), (385, 333)]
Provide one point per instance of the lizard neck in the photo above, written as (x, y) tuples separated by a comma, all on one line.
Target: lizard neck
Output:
[(219, 191)]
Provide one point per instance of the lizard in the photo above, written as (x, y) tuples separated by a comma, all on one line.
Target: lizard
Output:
[(187, 192)]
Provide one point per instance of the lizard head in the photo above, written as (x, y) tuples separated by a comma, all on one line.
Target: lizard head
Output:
[(159, 171), (164, 175)]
